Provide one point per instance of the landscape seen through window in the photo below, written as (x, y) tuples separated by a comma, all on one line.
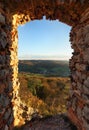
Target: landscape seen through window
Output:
[(44, 53)]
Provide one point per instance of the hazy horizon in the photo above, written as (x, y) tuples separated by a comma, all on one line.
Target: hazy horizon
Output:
[(37, 57)]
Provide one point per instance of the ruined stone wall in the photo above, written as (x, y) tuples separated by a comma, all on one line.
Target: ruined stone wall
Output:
[(6, 70), (15, 12), (9, 84), (79, 65)]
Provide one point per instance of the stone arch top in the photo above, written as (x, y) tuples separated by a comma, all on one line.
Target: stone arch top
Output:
[(66, 11)]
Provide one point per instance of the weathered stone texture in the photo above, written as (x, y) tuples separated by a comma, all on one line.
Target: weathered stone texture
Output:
[(72, 12), (6, 120), (8, 70), (79, 65)]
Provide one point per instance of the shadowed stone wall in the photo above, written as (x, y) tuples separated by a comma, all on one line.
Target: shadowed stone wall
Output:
[(6, 70), (79, 65), (72, 12)]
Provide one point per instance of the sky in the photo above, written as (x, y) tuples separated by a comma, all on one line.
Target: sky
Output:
[(45, 40)]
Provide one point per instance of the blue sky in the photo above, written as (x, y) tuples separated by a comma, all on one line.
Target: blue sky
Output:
[(44, 39)]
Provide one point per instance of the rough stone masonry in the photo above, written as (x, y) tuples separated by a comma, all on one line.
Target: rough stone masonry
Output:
[(72, 12)]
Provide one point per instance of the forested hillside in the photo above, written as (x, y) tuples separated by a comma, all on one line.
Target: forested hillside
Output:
[(45, 67)]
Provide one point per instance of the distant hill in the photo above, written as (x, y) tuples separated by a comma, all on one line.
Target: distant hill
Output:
[(45, 67)]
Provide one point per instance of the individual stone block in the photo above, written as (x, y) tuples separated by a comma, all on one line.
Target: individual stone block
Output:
[(78, 74), (79, 86), (74, 103), (4, 100), (85, 97), (6, 127), (4, 73), (10, 86), (86, 55), (7, 114), (85, 124), (83, 76), (10, 120), (2, 59), (79, 112), (86, 90), (85, 112), (86, 82), (77, 66), (2, 19)]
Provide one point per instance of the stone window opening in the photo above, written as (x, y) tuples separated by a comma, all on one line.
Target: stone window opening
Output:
[(38, 22)]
